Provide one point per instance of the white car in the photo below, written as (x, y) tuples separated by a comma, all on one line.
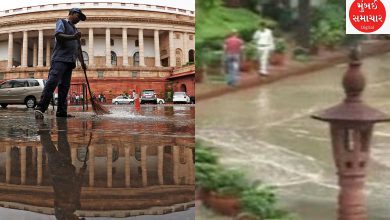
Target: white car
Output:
[(21, 91), (160, 101), (122, 100), (181, 97)]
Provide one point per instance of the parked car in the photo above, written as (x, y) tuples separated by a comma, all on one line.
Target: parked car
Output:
[(192, 99), (181, 97), (122, 100), (21, 91), (148, 95), (160, 101)]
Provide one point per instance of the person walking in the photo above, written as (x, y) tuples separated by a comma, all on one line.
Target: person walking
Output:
[(265, 44), (63, 61), (232, 47)]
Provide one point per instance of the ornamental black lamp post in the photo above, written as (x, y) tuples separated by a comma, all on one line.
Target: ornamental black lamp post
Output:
[(351, 127)]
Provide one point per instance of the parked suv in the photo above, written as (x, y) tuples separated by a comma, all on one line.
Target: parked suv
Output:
[(148, 95), (21, 91)]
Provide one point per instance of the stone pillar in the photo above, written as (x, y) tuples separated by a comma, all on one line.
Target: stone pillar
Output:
[(185, 48), (40, 48), (34, 157), (10, 50), (35, 53), (127, 166), (91, 165), (109, 166), (73, 155), (176, 161), (8, 164), (144, 165), (157, 59), (39, 163), (48, 50), (90, 48), (25, 49), (160, 164), (23, 165), (125, 56), (172, 57), (108, 48), (141, 47), (191, 166)]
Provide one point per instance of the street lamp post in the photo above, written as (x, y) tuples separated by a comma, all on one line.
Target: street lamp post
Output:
[(351, 127)]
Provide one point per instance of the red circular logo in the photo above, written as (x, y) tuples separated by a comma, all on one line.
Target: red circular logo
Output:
[(367, 15)]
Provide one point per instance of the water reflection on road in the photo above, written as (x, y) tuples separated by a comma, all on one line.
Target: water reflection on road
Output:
[(124, 164)]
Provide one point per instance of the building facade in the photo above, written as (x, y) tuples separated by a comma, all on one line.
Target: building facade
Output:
[(125, 45)]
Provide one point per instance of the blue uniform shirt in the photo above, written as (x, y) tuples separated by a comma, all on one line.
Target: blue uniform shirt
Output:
[(66, 50)]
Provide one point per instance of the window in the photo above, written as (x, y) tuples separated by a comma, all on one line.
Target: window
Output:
[(20, 84), (33, 83), (112, 42), (136, 59), (191, 56), (191, 37), (177, 36), (134, 74), (136, 43), (83, 42), (31, 75), (113, 58), (1, 75), (7, 85), (178, 58), (86, 58), (100, 74)]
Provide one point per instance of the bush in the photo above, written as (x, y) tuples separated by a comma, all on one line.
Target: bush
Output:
[(260, 201), (301, 54), (328, 26), (250, 51), (225, 182), (204, 154), (280, 45)]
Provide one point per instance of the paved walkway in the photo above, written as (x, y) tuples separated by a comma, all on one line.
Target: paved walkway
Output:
[(211, 89)]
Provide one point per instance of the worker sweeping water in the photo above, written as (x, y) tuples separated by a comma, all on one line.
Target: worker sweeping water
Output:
[(63, 61)]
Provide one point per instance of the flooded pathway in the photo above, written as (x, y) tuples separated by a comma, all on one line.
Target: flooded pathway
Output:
[(268, 132)]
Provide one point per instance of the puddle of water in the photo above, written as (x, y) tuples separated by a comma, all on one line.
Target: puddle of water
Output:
[(141, 164)]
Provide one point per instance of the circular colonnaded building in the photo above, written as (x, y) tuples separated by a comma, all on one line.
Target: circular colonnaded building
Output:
[(124, 45)]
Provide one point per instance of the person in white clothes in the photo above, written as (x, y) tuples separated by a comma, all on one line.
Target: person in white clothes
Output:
[(265, 44)]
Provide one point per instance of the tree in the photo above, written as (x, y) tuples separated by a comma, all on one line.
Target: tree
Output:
[(304, 20)]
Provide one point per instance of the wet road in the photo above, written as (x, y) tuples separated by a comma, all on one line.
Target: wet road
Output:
[(137, 165), (268, 132)]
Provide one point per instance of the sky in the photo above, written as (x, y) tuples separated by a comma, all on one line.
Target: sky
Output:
[(183, 4)]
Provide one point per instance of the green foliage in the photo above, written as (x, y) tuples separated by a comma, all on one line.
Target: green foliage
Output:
[(227, 182), (260, 201), (328, 26), (204, 154), (218, 22), (169, 96), (206, 5), (250, 51), (301, 54), (280, 45)]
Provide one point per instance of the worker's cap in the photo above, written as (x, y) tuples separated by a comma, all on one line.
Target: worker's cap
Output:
[(82, 16)]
